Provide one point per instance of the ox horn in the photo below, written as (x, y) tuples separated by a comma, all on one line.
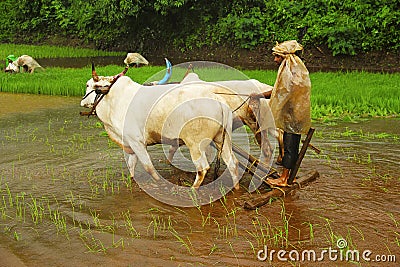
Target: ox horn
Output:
[(121, 74), (94, 74), (125, 70)]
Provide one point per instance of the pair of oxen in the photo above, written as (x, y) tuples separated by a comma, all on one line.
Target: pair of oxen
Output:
[(193, 112)]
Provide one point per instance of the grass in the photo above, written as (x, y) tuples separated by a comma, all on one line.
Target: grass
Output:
[(345, 96), (47, 51)]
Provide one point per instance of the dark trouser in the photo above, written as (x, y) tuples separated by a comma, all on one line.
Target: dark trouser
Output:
[(291, 144)]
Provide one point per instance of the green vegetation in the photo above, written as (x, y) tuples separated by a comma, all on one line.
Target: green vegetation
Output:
[(344, 26), (347, 96), (47, 51)]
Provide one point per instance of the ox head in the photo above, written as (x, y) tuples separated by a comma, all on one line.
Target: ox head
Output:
[(99, 85)]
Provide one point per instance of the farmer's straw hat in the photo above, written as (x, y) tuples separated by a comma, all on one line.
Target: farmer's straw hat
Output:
[(287, 47)]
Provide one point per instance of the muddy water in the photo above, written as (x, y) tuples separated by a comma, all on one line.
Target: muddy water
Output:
[(80, 62), (66, 200)]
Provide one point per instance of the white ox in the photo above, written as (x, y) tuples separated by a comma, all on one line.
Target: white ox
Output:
[(236, 94), (27, 63), (135, 118)]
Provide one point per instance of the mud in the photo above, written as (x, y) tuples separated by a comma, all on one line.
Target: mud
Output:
[(81, 62), (66, 198)]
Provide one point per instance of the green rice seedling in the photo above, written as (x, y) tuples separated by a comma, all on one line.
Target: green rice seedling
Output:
[(3, 209), (311, 227), (213, 249), (397, 238), (20, 206), (397, 231), (233, 251), (91, 243), (59, 221), (96, 219), (333, 238), (396, 223), (17, 236), (10, 197), (253, 248), (384, 177), (186, 244), (119, 243), (204, 219), (36, 209), (127, 180), (259, 233), (157, 223), (222, 189), (264, 232), (129, 225), (193, 196)]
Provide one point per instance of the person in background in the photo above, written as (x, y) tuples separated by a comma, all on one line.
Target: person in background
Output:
[(10, 66), (289, 103)]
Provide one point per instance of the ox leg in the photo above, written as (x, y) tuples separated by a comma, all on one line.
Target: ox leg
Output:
[(200, 161), (231, 162), (278, 134), (171, 152), (265, 145), (131, 162), (144, 158)]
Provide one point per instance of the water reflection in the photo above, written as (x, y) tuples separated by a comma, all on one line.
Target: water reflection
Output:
[(81, 62)]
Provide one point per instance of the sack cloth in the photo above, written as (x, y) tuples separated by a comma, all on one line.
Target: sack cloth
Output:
[(290, 99)]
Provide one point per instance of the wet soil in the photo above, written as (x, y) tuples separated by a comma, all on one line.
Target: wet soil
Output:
[(66, 198)]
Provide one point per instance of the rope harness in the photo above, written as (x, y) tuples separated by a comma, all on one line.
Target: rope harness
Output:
[(100, 91)]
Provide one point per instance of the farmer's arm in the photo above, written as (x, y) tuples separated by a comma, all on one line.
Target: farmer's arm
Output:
[(261, 95)]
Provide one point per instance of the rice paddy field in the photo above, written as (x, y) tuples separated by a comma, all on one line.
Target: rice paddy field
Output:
[(347, 96), (66, 198)]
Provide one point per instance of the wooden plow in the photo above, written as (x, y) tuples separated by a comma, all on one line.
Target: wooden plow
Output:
[(261, 171)]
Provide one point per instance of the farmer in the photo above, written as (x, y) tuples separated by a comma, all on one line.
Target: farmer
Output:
[(290, 103), (10, 66)]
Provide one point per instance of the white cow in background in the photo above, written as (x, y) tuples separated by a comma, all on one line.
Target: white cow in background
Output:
[(135, 118), (27, 63), (135, 59)]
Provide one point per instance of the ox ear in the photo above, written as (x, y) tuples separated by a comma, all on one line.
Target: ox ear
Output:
[(94, 74)]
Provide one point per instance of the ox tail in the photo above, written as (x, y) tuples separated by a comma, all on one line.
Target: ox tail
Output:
[(226, 117)]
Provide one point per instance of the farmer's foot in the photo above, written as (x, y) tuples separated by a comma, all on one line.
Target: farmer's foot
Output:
[(277, 182), (282, 180)]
